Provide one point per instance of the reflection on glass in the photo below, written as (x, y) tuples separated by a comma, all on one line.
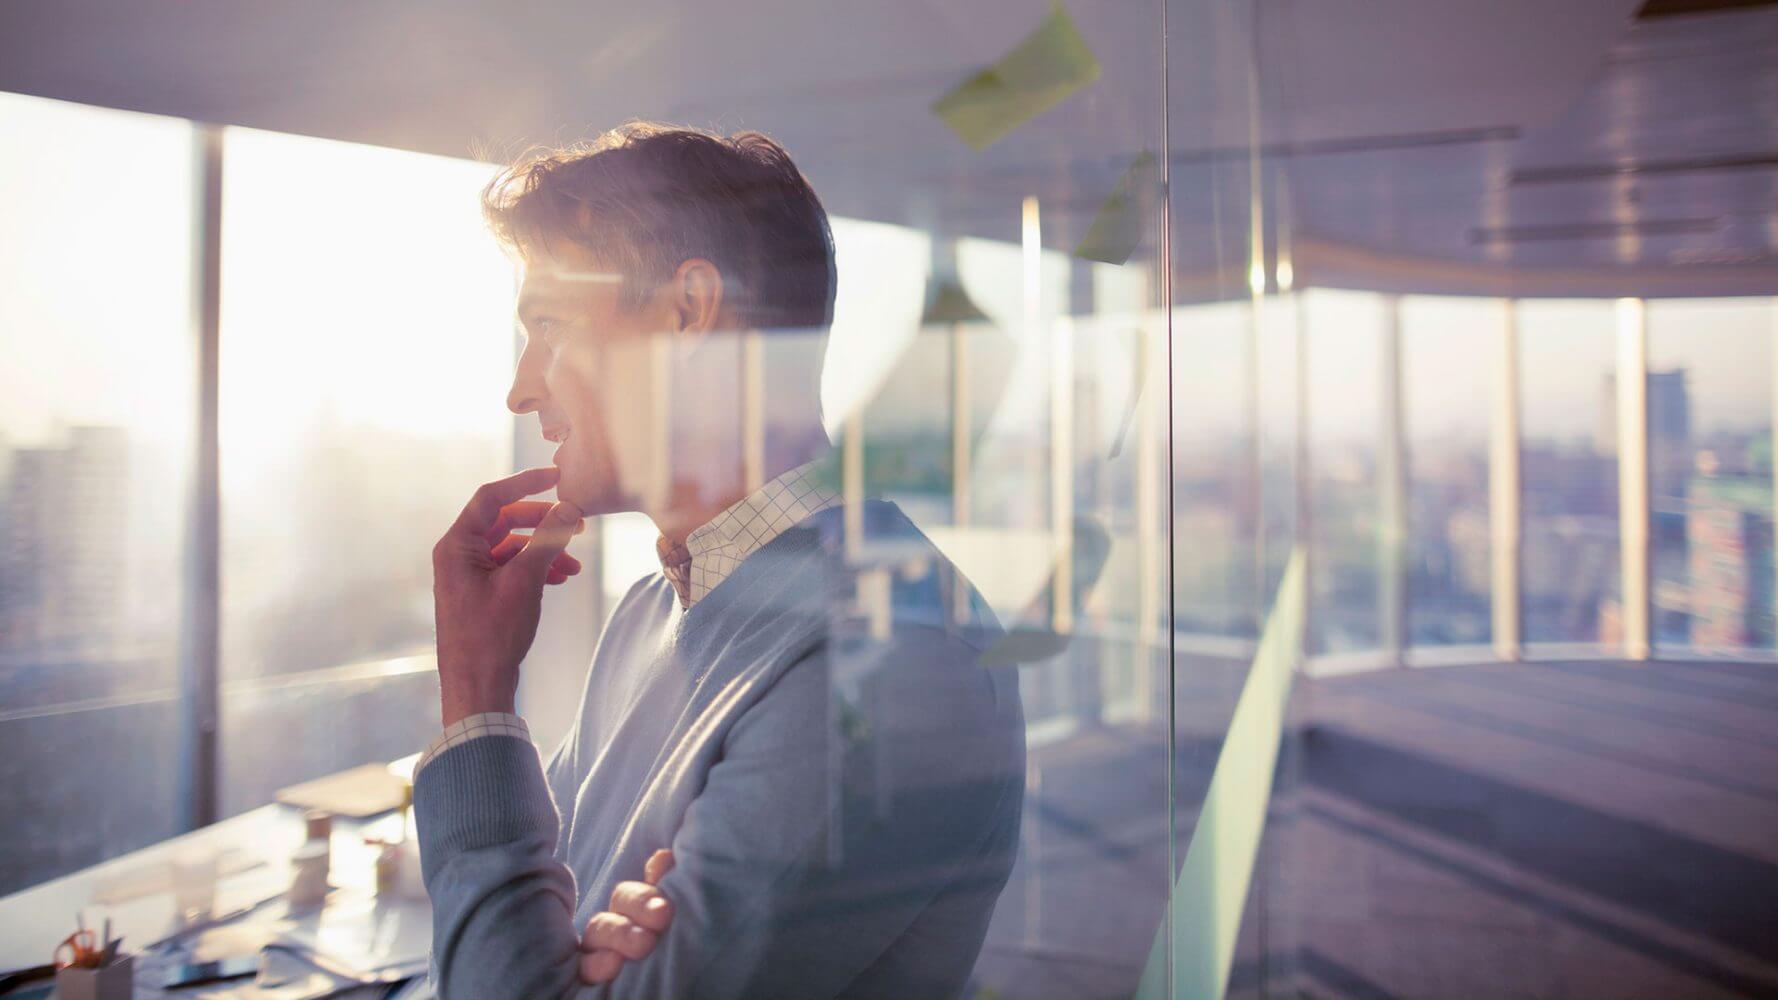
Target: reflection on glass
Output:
[(1278, 374), (1023, 290), (95, 407), (363, 306), (973, 658), (1007, 401), (1446, 343), (1345, 360), (1710, 471), (1569, 423), (1213, 514)]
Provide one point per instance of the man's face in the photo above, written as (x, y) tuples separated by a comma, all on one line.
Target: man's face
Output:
[(588, 371)]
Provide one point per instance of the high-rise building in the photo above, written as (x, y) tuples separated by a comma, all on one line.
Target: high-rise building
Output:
[(62, 548), (1730, 530), (1669, 433), (1669, 429)]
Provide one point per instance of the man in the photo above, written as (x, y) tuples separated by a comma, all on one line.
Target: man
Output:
[(790, 775)]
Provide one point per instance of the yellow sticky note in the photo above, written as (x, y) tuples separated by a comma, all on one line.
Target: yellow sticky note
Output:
[(1049, 65)]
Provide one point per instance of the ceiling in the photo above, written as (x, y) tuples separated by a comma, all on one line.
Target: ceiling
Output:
[(1407, 141), (1659, 177)]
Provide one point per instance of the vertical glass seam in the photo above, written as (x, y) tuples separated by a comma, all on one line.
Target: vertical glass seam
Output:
[(1166, 268)]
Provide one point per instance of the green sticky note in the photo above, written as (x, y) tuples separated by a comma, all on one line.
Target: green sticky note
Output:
[(1045, 68), (947, 303), (1116, 231)]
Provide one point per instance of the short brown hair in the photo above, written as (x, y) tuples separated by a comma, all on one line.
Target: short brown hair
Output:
[(645, 197)]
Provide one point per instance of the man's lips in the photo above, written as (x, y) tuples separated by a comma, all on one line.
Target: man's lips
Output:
[(559, 436)]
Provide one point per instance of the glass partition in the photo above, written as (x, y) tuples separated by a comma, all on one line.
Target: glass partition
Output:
[(1027, 503), (981, 420)]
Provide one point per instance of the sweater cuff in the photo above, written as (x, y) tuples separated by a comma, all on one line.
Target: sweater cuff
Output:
[(472, 727), (481, 793)]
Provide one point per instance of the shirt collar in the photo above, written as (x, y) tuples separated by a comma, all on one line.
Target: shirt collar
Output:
[(714, 549)]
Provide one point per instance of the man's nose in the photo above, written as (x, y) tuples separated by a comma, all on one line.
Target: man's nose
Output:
[(527, 393), (521, 400)]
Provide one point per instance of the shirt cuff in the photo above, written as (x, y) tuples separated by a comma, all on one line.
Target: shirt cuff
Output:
[(473, 727)]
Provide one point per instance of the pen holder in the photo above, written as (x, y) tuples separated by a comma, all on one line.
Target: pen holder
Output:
[(108, 982)]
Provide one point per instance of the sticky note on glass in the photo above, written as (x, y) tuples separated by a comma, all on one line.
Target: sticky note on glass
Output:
[(1116, 231), (948, 303), (1045, 68)]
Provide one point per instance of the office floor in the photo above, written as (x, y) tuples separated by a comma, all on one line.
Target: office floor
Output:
[(1588, 829)]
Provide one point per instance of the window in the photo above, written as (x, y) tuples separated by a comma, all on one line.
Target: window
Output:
[(1569, 445), (1345, 362), (1447, 344), (96, 413), (366, 353), (1710, 472)]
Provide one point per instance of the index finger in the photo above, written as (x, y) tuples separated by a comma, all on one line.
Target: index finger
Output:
[(483, 508)]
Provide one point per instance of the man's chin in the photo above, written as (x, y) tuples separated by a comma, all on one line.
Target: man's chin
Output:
[(593, 499)]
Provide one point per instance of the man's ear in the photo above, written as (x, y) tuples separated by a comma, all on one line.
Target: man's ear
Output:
[(697, 296)]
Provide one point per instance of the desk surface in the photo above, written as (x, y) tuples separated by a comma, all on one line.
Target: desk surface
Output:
[(35, 920)]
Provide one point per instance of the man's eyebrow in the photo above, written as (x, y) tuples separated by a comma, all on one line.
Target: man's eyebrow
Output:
[(540, 298), (534, 300), (530, 302)]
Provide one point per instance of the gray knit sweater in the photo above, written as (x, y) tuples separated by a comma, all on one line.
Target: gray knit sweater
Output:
[(843, 805)]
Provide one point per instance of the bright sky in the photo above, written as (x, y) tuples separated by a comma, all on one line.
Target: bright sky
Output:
[(1566, 348), (1727, 346), (95, 313), (359, 286)]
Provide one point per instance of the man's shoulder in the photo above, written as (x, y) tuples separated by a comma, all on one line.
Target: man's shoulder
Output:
[(646, 607), (648, 593), (892, 572)]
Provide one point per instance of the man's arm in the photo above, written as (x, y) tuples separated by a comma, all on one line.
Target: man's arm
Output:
[(502, 905), (486, 821), (821, 835), (833, 821)]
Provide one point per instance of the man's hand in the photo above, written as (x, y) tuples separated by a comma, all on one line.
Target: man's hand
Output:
[(487, 588), (628, 931)]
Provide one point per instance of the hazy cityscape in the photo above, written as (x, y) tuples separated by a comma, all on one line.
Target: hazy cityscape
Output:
[(1711, 534), (90, 569)]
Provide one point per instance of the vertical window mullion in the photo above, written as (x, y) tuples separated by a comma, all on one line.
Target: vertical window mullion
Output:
[(1394, 483), (1633, 482), (199, 673), (1506, 492)]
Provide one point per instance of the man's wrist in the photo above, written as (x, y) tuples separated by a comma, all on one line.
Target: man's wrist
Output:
[(472, 727), (458, 701)]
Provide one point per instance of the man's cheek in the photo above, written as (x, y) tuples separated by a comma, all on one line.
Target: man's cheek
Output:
[(637, 420)]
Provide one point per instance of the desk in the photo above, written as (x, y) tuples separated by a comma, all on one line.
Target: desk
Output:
[(34, 921)]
